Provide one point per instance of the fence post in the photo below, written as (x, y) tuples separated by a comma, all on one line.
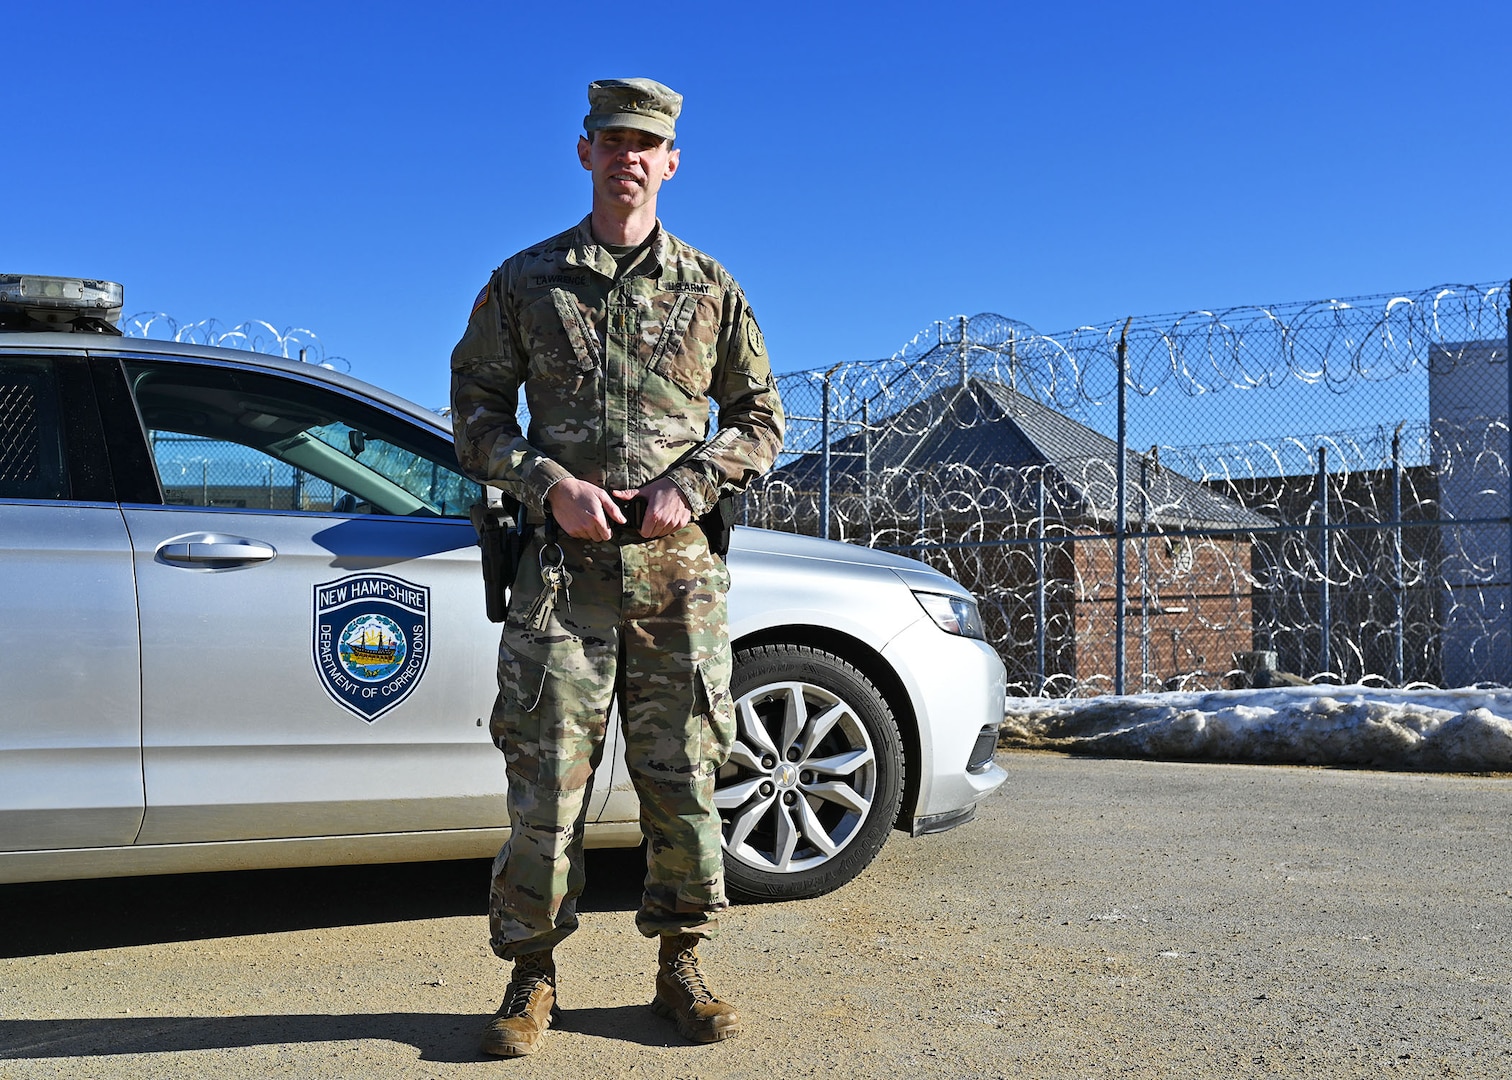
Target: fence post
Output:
[(1041, 614), (866, 472), (919, 536), (1144, 569), (1399, 643), (963, 353), (824, 458), (1325, 596), (1121, 526)]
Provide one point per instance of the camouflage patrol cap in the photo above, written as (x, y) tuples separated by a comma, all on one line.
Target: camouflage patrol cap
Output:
[(632, 103)]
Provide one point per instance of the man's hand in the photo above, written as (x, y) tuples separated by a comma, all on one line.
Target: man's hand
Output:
[(667, 510), (583, 510)]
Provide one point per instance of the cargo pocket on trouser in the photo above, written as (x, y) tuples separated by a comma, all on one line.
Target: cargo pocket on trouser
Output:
[(551, 720), (712, 700), (511, 725)]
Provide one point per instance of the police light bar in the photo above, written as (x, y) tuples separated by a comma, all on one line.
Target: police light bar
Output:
[(60, 299)]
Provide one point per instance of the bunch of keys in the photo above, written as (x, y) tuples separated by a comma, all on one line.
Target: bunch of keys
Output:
[(554, 579)]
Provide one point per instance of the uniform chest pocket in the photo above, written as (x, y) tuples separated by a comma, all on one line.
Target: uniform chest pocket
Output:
[(684, 350), (563, 346)]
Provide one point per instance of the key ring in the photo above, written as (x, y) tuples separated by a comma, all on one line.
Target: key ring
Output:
[(561, 557)]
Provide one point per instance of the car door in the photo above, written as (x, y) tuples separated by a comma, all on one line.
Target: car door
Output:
[(70, 711), (315, 656)]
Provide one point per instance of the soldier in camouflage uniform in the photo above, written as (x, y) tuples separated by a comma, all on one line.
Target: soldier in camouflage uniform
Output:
[(619, 334)]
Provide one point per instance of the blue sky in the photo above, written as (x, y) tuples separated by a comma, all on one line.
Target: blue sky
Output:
[(863, 170)]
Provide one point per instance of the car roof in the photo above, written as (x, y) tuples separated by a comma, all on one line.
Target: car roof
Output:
[(107, 345)]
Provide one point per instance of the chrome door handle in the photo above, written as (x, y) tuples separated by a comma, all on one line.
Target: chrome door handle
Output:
[(218, 549)]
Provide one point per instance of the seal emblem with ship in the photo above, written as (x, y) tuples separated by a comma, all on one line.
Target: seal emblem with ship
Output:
[(370, 636)]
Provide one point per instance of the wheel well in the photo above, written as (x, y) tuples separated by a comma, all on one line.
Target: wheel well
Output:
[(870, 663)]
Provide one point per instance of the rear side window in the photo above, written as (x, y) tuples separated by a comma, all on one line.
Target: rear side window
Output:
[(228, 438), (31, 432)]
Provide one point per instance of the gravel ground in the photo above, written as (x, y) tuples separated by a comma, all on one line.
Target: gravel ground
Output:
[(1101, 918)]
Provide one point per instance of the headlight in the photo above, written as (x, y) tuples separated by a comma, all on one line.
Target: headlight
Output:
[(953, 614)]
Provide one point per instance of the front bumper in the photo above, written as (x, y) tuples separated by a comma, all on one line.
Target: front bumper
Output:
[(923, 826), (958, 687)]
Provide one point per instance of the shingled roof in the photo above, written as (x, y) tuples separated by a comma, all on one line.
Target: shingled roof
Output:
[(989, 427)]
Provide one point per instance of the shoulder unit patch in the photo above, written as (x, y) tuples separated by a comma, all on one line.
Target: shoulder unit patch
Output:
[(753, 333)]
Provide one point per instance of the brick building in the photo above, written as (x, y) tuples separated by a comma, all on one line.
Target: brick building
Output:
[(1018, 501)]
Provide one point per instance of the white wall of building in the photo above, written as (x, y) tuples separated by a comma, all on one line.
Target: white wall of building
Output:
[(1467, 401)]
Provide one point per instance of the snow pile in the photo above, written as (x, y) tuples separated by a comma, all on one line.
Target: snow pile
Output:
[(1459, 730)]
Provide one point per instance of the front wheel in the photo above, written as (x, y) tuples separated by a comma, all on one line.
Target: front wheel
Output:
[(813, 782)]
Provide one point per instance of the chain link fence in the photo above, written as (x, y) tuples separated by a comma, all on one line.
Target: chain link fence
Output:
[(1314, 490)]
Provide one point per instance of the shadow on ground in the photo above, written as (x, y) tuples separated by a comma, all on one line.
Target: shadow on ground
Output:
[(73, 916), (437, 1036), (441, 1037)]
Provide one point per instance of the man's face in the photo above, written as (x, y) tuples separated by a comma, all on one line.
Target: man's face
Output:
[(628, 166)]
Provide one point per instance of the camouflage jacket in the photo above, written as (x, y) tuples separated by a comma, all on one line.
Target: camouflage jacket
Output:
[(617, 374)]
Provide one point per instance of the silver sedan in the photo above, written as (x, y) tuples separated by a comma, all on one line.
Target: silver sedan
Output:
[(244, 627)]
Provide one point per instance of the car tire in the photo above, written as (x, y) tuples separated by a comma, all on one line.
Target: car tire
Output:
[(813, 782)]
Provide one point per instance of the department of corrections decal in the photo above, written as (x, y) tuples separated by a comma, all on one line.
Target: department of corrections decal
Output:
[(371, 636)]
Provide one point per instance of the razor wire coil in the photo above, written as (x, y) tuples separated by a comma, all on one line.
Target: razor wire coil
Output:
[(1257, 523)]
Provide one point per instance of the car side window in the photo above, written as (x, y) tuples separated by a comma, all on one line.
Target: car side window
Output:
[(222, 437), (31, 432)]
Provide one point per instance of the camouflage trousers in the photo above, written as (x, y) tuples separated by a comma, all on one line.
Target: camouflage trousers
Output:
[(643, 621)]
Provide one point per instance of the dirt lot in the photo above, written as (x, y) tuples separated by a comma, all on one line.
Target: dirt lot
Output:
[(1100, 918)]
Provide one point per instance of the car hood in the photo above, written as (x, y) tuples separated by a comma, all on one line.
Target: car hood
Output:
[(915, 574)]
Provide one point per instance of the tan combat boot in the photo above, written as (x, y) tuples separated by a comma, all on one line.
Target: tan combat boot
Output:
[(683, 996), (529, 1007)]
